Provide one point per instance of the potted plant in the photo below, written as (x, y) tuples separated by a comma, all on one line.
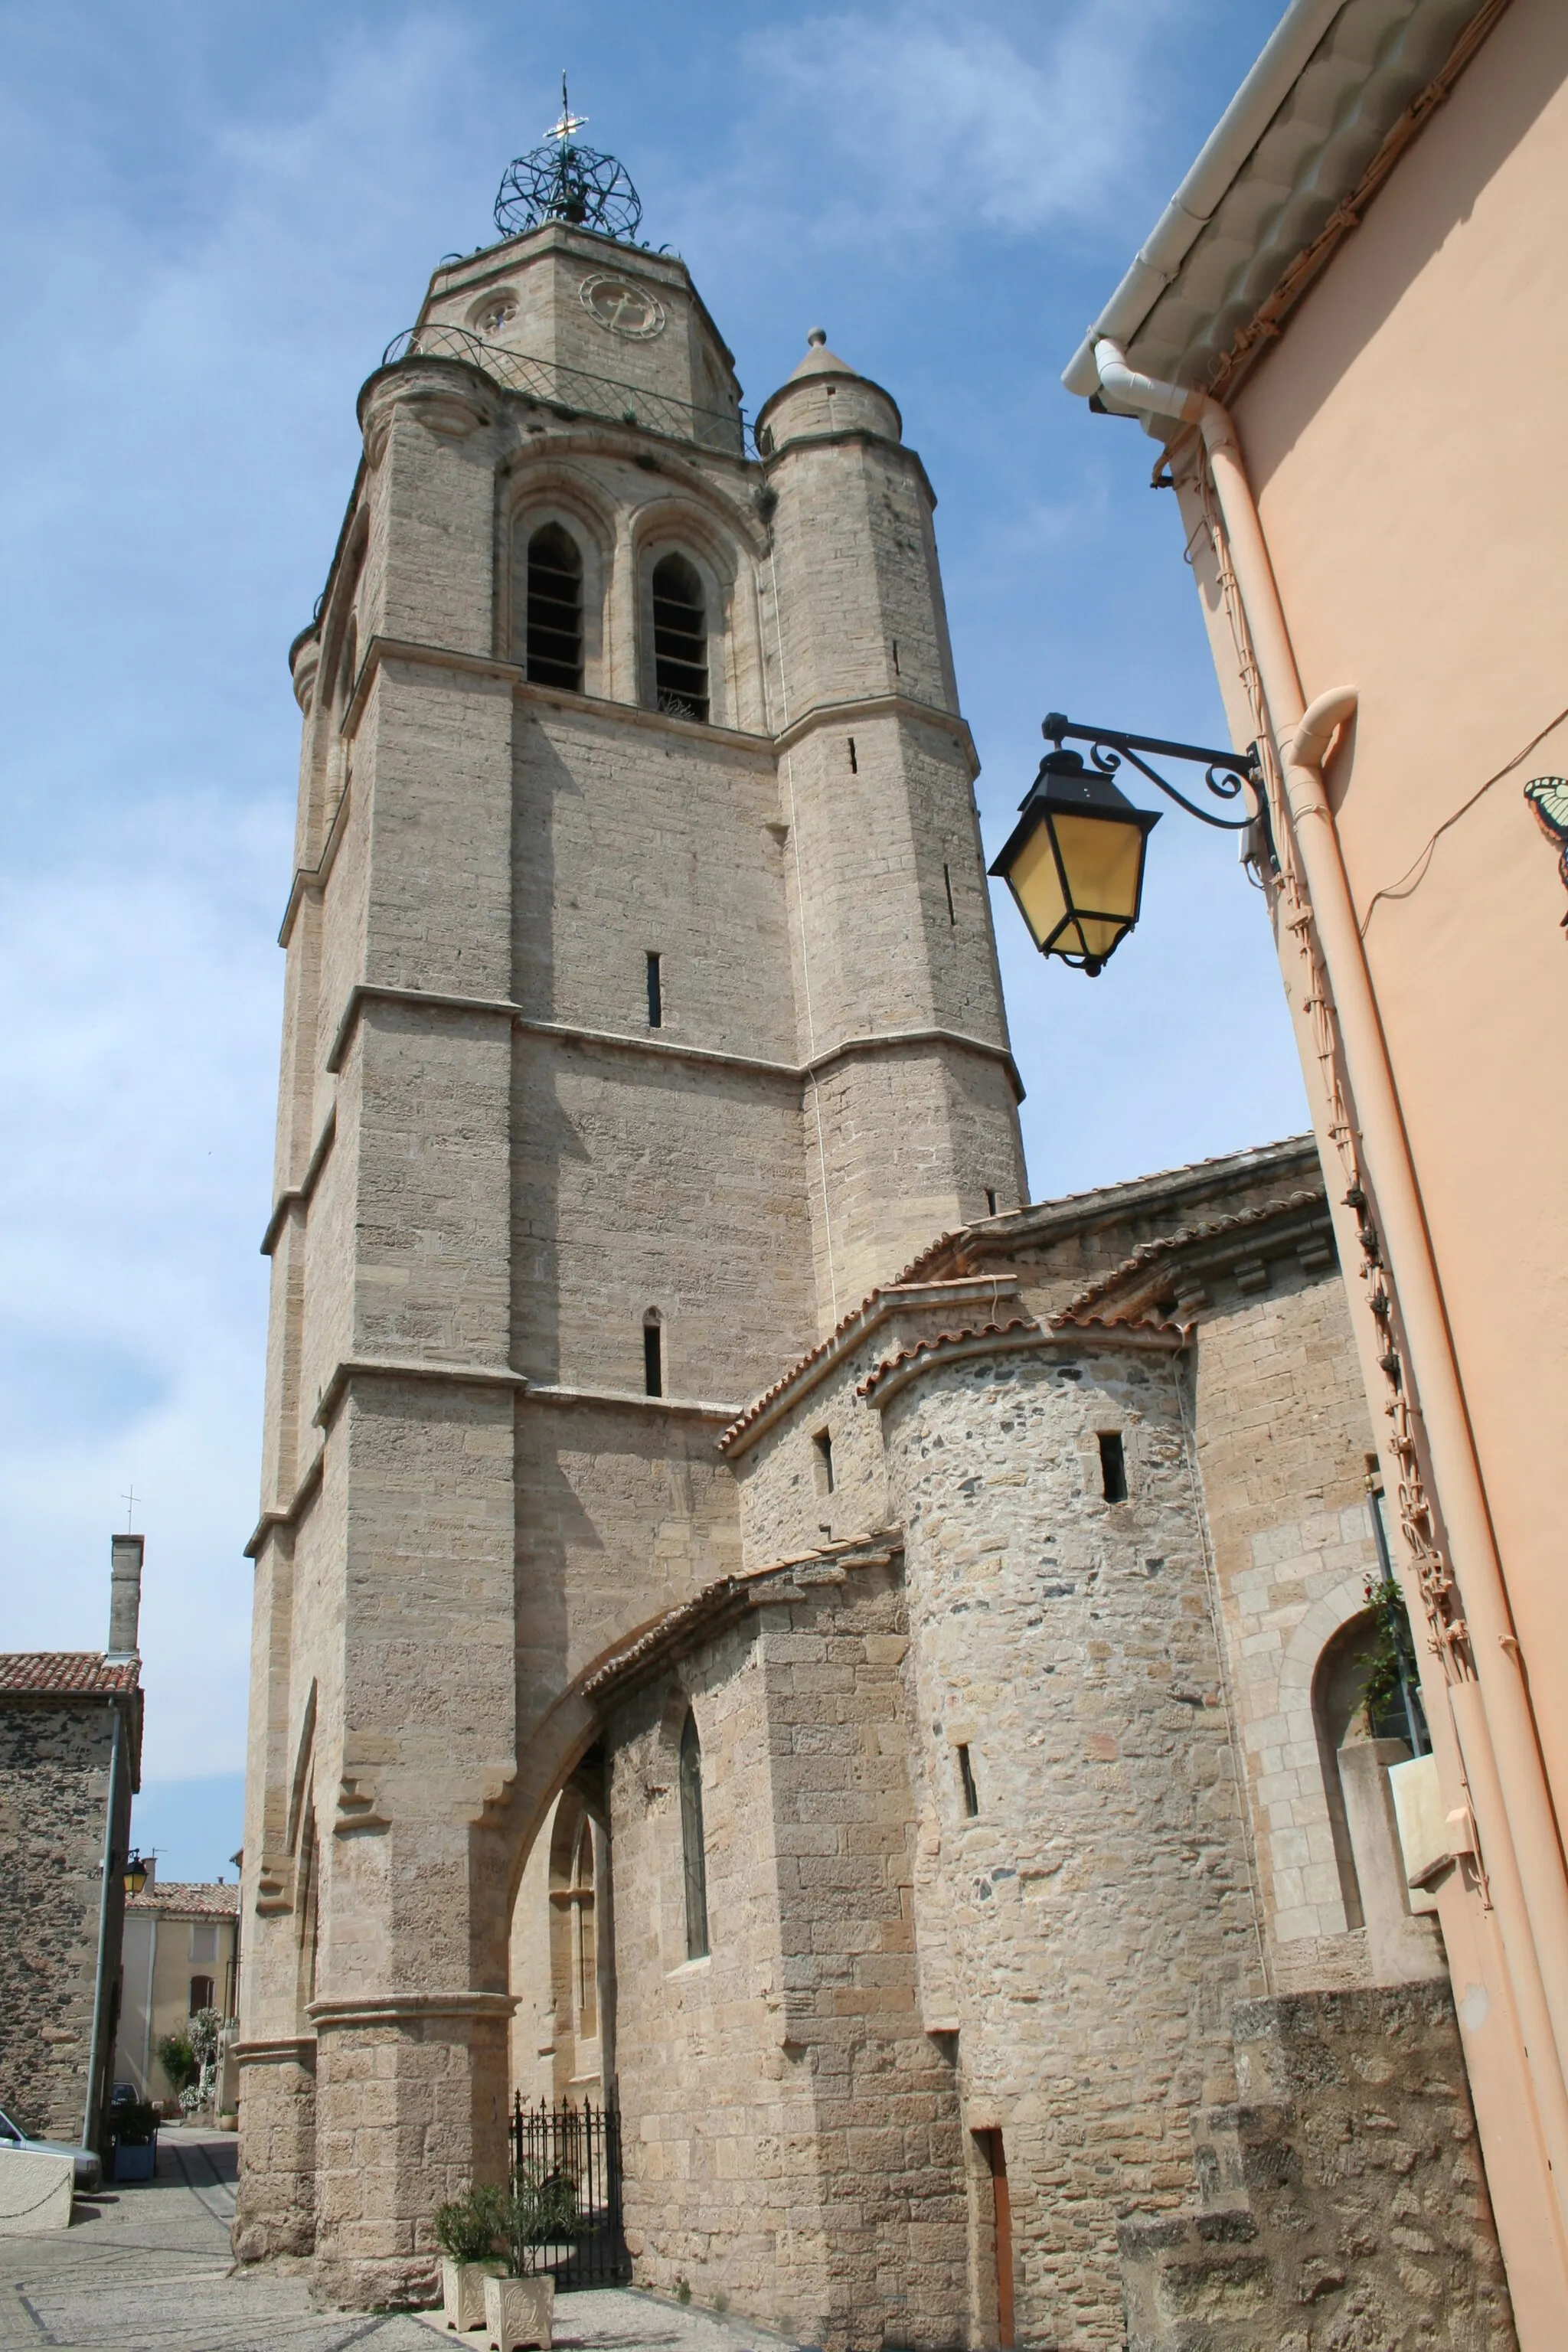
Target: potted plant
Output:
[(541, 2211), (469, 2231), (135, 2127)]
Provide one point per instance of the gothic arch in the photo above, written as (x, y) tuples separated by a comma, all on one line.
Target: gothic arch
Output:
[(304, 1757), (672, 527), (545, 492), (341, 654), (1320, 1808)]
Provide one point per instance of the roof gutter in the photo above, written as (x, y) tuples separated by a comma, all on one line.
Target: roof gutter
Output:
[(1193, 207)]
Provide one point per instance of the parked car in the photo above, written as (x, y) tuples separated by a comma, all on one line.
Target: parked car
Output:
[(88, 2170)]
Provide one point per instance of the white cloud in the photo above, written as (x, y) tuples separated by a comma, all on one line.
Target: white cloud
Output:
[(932, 124)]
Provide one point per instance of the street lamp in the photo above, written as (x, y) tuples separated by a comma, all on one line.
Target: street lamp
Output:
[(1074, 861), (135, 1873)]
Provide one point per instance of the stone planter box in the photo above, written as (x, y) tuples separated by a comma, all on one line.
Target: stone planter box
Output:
[(135, 2163), (517, 2311), (463, 2292)]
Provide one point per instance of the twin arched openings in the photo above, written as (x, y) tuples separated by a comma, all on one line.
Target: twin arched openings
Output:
[(553, 649)]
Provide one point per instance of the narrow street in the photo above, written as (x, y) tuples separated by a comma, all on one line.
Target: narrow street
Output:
[(147, 2268)]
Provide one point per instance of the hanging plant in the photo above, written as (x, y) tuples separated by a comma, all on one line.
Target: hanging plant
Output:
[(1389, 1658)]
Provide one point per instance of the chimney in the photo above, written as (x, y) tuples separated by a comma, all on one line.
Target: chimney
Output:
[(124, 1594)]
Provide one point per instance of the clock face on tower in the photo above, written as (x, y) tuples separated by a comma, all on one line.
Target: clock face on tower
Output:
[(624, 309)]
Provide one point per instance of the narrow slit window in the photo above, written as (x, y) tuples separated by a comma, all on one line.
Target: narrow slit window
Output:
[(655, 992), (990, 1201), (679, 639), (947, 885), (1112, 1466), (555, 609), (897, 671), (966, 1781), (693, 1853), (823, 1442), (854, 763), (653, 1357)]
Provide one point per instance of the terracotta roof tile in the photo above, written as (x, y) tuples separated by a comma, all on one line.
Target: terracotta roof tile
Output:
[(937, 1345), (1152, 1253), (886, 1291), (67, 1673), (188, 1898)]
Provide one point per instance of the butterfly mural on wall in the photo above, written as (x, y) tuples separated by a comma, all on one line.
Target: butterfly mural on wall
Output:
[(1548, 796)]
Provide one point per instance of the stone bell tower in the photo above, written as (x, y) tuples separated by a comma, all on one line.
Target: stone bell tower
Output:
[(641, 1015)]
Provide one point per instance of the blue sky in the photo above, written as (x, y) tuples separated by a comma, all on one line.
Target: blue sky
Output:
[(217, 217)]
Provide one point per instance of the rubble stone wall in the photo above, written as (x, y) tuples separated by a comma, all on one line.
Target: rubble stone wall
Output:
[(54, 1762), (1091, 1920)]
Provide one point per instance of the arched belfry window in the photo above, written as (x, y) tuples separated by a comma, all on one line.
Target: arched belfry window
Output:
[(679, 639), (556, 608), (693, 1854)]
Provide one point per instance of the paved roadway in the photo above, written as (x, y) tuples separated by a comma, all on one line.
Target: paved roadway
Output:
[(147, 2268)]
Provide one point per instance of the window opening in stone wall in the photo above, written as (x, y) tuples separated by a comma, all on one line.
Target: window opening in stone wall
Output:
[(693, 1853), (1112, 1466), (967, 1780), (585, 1934), (823, 1442), (679, 639), (854, 763), (947, 885), (652, 1356), (555, 609), (201, 1994), (990, 1201), (655, 991), (897, 671)]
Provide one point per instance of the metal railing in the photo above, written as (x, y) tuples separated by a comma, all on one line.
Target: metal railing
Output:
[(570, 392), (566, 2190)]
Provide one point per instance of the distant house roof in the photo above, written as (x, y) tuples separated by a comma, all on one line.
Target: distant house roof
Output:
[(188, 1900), (67, 1673)]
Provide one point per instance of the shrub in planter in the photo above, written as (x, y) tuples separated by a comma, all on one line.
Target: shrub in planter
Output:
[(178, 2060), (543, 2212), (470, 2232)]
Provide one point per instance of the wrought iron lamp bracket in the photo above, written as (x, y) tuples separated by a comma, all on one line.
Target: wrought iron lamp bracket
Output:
[(1227, 773)]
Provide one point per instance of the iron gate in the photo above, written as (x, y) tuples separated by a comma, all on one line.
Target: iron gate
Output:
[(566, 2178)]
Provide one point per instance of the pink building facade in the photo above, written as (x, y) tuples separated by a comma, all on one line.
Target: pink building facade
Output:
[(1344, 331)]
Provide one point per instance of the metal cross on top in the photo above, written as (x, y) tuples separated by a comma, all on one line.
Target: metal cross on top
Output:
[(130, 1502), (569, 122)]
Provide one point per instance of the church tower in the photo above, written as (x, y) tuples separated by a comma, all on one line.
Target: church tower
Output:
[(642, 1014)]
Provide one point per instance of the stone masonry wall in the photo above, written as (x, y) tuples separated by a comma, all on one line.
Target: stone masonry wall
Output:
[(1282, 1435), (54, 1790), (792, 2133), (1344, 2205), (1093, 1924)]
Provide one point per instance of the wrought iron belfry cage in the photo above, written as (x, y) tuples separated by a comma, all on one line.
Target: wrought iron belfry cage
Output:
[(562, 181), (566, 2191)]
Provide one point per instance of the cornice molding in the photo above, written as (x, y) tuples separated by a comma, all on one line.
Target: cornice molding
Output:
[(880, 706), (393, 2008), (437, 1000), (697, 1408), (349, 1369), (297, 1195)]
